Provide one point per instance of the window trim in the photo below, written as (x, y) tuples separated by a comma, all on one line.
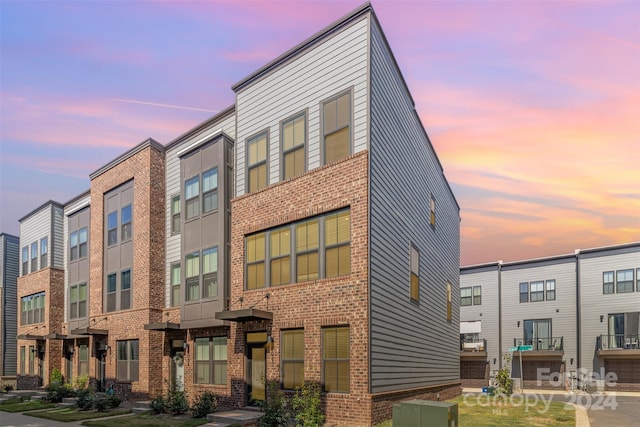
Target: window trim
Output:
[(627, 283), (608, 286), (132, 365), (304, 146), (285, 361), (323, 136), (44, 252), (250, 166), (175, 214), (213, 191), (524, 295), (324, 359), (212, 362)]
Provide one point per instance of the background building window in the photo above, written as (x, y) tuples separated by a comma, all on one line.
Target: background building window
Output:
[(335, 359), (112, 228), (125, 218), (537, 291), (82, 242), (607, 282), (551, 290), (280, 252), (210, 190), (292, 358), (192, 273), (192, 197), (293, 143), (337, 228), (255, 261), (43, 253), (125, 290), (257, 162), (415, 274), (624, 281), (465, 296), (432, 211), (127, 360), (34, 256), (25, 260), (175, 285), (337, 128), (210, 272), (477, 295), (524, 292), (211, 360), (175, 214)]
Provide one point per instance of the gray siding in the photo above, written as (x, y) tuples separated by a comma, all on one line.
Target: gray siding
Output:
[(412, 344), (335, 64), (593, 303), (77, 215), (487, 312), (9, 271), (56, 241), (173, 187)]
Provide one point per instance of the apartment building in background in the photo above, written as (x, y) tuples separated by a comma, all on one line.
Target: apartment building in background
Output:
[(9, 272), (307, 232), (579, 314)]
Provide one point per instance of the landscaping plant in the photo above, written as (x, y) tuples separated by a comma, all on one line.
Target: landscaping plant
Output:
[(204, 404), (308, 405)]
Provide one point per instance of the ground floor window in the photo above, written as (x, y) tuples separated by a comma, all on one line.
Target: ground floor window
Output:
[(292, 358), (211, 360), (127, 362), (83, 360), (22, 359), (335, 359)]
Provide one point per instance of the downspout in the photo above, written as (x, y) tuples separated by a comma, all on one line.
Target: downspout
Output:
[(500, 314), (578, 330)]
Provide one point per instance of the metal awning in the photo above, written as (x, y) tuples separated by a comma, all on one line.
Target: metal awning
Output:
[(31, 337), (56, 336), (473, 327), (161, 326), (89, 331), (244, 315)]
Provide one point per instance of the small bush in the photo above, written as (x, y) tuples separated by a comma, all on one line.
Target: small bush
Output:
[(85, 400), (114, 401), (158, 405), (307, 405), (81, 382), (275, 406), (7, 388), (57, 391), (205, 403), (101, 405), (178, 403), (56, 376)]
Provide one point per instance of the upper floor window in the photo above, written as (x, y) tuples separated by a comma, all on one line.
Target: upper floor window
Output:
[(43, 252), (551, 290), (125, 218), (112, 228), (449, 302), (471, 295), (536, 291), (336, 115), (293, 146), (34, 256), (432, 211), (175, 284), (257, 162), (78, 301), (477, 295), (25, 260), (192, 197), (607, 282), (32, 309), (192, 275), (210, 190), (335, 359), (111, 291), (321, 248), (624, 281), (78, 244), (524, 292), (118, 295), (415, 274), (125, 290), (127, 360), (292, 358), (208, 277), (638, 279), (175, 214)]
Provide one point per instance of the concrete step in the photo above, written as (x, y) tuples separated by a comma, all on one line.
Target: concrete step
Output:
[(68, 402), (141, 407), (242, 417)]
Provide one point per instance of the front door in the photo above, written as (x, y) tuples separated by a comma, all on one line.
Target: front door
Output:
[(100, 369), (256, 366), (177, 369)]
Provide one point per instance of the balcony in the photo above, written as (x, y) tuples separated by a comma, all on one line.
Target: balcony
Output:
[(471, 349), (542, 348), (619, 346)]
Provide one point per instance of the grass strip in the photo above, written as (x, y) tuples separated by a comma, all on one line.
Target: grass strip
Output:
[(16, 405), (144, 420), (66, 415)]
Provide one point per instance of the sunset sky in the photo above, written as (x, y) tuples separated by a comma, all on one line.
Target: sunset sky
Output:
[(533, 107)]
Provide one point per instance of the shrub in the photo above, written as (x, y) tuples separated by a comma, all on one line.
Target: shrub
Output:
[(177, 403), (56, 376), (101, 405), (85, 400), (504, 383), (114, 401), (81, 382), (205, 403), (57, 391), (275, 406), (307, 405), (158, 405)]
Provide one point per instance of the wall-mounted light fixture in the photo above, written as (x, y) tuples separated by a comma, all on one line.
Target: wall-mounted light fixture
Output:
[(185, 346), (269, 344), (601, 318), (518, 323), (494, 360), (572, 360), (557, 310)]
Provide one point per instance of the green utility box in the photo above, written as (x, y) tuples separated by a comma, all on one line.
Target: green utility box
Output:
[(425, 413)]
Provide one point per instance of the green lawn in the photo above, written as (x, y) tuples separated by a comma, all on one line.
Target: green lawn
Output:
[(147, 420), (71, 414), (16, 405), (485, 411)]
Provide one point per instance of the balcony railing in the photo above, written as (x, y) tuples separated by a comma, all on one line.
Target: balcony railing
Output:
[(542, 344), (619, 341), (473, 345)]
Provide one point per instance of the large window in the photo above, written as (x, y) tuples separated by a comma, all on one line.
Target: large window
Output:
[(78, 301), (257, 162), (111, 291), (32, 309), (536, 291), (337, 128), (538, 334), (335, 359), (175, 285), (43, 252), (34, 256), (125, 218), (192, 197), (125, 290), (112, 228), (292, 358), (25, 260), (321, 248), (192, 273), (175, 214), (78, 244), (127, 360), (624, 281), (551, 290), (210, 272), (524, 292), (83, 359), (118, 288), (293, 143), (211, 360), (210, 190), (466, 296), (608, 282), (414, 285)]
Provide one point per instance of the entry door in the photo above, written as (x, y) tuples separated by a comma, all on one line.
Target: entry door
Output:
[(101, 368), (69, 368), (257, 373), (178, 371)]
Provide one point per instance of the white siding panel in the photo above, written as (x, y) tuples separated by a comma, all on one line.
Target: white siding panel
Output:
[(331, 66), (56, 242)]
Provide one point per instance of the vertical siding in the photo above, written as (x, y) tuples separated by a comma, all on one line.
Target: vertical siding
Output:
[(9, 271), (561, 311), (56, 241), (70, 209), (34, 228), (333, 65), (488, 312), (593, 303), (172, 186), (412, 345)]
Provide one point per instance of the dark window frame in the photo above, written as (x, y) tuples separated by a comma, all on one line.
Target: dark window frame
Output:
[(125, 289), (288, 358), (628, 283), (258, 163), (608, 286), (192, 281), (294, 148), (524, 292), (466, 300), (338, 127), (538, 294), (127, 360), (32, 309), (44, 249), (213, 364), (477, 297), (126, 228), (210, 193), (550, 291), (192, 201), (337, 360), (112, 228)]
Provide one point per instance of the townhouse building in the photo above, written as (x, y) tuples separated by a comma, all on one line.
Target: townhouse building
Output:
[(306, 232), (577, 316), (9, 272)]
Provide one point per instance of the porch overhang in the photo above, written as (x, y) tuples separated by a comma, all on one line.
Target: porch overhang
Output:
[(162, 326), (89, 331), (473, 355), (31, 337), (244, 315), (56, 336)]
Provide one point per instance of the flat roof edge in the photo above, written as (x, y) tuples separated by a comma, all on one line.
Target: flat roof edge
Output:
[(149, 142)]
